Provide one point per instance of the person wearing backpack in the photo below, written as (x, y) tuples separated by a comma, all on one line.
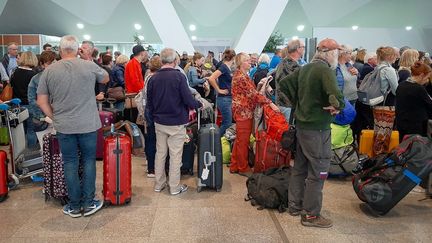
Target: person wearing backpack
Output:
[(389, 78), (313, 115)]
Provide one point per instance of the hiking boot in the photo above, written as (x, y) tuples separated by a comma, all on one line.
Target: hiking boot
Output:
[(93, 208), (182, 188), (316, 221), (74, 213), (294, 211)]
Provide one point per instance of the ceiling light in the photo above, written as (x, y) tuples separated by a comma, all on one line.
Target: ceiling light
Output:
[(86, 37), (80, 26), (295, 37), (137, 26), (141, 37), (193, 37), (355, 27), (300, 27), (192, 27), (408, 28)]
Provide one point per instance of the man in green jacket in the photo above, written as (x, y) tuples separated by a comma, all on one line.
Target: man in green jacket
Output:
[(314, 93)]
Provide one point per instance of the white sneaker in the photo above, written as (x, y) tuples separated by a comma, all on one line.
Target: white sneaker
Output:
[(151, 175), (182, 188)]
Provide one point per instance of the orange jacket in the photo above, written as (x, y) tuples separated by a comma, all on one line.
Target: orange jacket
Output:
[(134, 80)]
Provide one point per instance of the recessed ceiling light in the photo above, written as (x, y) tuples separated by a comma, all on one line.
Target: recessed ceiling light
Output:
[(86, 37), (192, 27), (137, 26), (300, 27), (80, 26), (355, 27), (193, 37), (408, 28), (295, 37), (141, 37)]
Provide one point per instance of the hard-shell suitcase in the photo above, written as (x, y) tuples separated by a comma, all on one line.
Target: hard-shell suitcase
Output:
[(117, 178), (107, 118), (210, 172), (118, 114), (367, 140), (54, 178), (3, 176)]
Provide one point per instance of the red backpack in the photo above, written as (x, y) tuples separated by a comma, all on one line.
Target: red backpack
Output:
[(275, 122)]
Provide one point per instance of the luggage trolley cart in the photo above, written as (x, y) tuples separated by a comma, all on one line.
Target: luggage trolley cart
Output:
[(25, 162)]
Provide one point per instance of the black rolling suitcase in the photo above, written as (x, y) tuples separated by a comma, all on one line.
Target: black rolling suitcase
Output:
[(210, 173), (118, 114), (389, 178), (188, 156)]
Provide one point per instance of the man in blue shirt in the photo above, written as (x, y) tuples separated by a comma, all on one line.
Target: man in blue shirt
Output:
[(9, 60), (276, 59), (168, 101)]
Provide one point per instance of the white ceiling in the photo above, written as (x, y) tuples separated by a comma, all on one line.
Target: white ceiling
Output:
[(113, 20)]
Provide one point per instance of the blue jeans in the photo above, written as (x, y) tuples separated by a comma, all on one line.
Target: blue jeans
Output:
[(224, 105), (150, 147), (81, 194), (29, 131)]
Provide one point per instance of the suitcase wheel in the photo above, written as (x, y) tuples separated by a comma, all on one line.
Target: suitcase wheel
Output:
[(199, 189), (106, 203), (218, 189), (13, 182), (127, 201), (191, 172)]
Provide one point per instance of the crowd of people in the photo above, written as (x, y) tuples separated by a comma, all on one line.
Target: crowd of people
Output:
[(64, 89)]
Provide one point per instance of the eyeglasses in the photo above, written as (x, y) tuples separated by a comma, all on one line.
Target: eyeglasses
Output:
[(302, 47)]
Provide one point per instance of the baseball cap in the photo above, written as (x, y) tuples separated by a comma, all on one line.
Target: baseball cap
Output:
[(328, 45), (185, 53), (137, 49)]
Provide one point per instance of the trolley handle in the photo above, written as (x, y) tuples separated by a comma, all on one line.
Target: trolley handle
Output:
[(14, 101)]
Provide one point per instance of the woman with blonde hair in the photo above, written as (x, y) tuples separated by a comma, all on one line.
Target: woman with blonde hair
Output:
[(20, 80), (414, 105), (245, 97), (389, 80), (408, 58)]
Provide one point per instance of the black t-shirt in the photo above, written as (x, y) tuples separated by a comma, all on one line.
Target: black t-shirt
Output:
[(20, 80)]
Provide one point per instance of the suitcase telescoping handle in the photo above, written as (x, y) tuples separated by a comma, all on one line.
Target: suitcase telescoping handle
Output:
[(214, 118)]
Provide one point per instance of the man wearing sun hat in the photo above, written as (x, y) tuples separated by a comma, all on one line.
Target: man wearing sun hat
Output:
[(314, 93)]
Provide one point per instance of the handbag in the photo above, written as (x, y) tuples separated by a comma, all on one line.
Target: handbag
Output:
[(7, 93), (289, 140), (116, 93), (130, 101)]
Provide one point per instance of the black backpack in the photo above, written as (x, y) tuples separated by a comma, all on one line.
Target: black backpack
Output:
[(260, 74), (269, 189)]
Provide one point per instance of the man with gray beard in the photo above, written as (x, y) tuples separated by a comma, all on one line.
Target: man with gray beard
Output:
[(314, 93)]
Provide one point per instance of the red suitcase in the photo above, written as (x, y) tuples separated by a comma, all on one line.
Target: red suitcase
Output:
[(107, 118), (117, 178), (3, 176)]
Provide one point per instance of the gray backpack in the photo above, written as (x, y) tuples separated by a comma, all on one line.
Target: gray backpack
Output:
[(369, 92)]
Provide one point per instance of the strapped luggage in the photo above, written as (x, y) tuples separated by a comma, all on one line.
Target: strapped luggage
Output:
[(269, 153), (269, 189), (344, 153), (117, 178), (383, 181)]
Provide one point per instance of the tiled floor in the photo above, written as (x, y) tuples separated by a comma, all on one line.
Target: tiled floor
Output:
[(207, 217)]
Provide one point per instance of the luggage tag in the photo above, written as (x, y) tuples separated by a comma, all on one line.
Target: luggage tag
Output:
[(205, 173)]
